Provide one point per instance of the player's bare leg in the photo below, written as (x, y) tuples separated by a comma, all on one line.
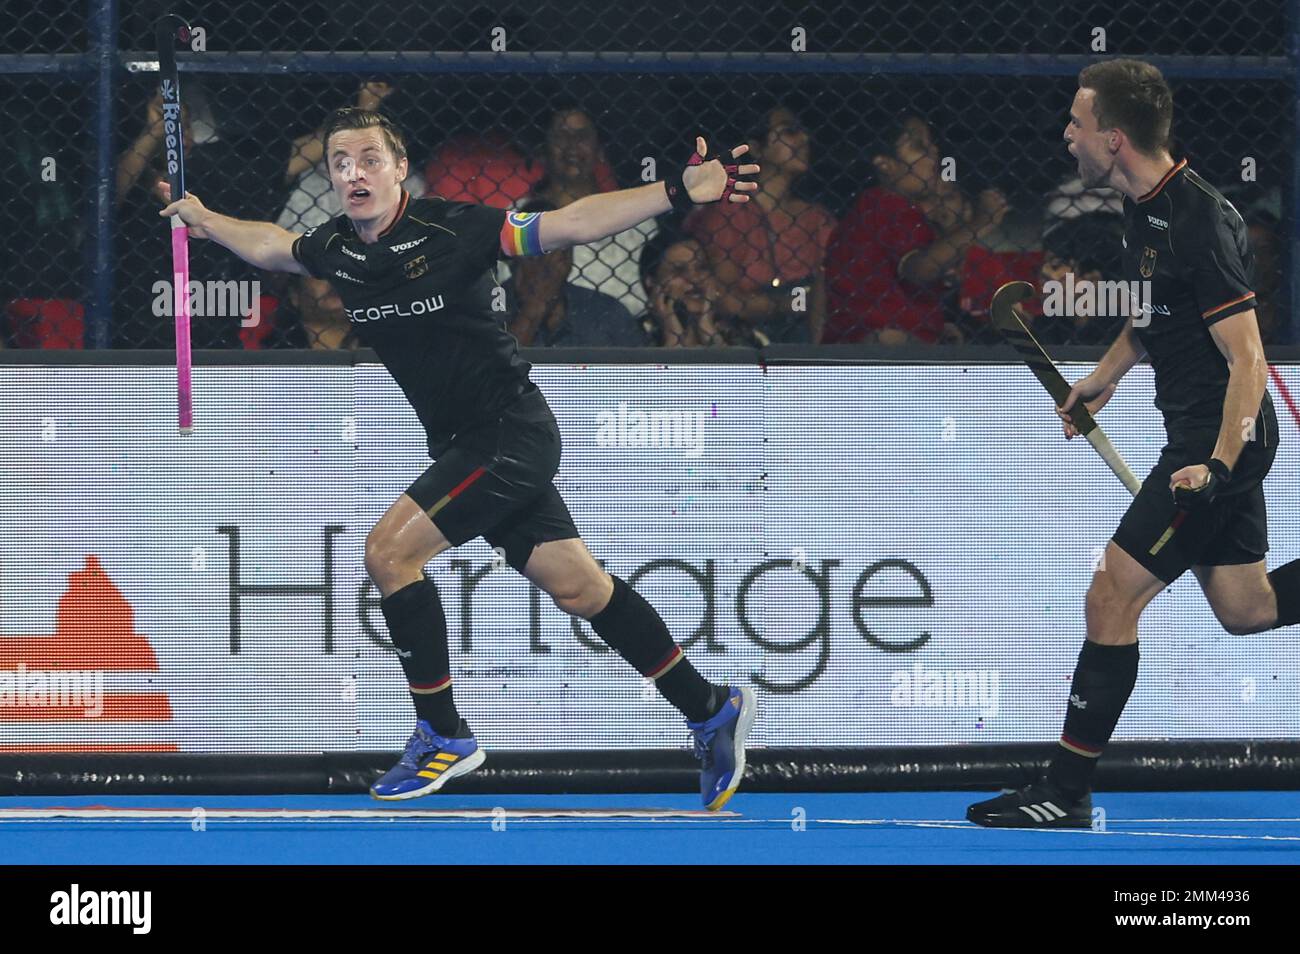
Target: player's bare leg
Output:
[(1240, 595), (400, 544), (1121, 589), (567, 572), (1106, 670), (1244, 597), (1104, 677), (397, 549), (720, 716), (442, 747)]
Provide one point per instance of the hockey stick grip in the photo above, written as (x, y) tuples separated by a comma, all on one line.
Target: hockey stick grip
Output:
[(181, 309), (1102, 445)]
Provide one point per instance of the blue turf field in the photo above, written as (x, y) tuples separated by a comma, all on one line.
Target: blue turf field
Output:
[(895, 828)]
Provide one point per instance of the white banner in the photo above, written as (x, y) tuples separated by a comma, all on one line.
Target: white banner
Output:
[(894, 554)]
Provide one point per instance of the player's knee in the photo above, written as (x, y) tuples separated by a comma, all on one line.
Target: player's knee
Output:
[(1100, 598), (383, 558), (1105, 601), (574, 600), (582, 597)]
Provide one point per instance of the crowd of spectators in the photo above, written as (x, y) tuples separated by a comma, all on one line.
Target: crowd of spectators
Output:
[(913, 260)]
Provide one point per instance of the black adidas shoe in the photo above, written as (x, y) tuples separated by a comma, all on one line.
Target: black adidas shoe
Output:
[(1038, 806)]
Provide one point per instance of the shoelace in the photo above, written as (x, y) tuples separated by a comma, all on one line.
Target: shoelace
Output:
[(703, 745), (419, 744)]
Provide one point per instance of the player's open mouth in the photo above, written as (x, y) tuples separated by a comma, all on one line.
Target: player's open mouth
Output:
[(359, 195)]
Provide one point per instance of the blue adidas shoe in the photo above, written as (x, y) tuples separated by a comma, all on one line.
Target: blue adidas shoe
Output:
[(429, 761), (720, 747)]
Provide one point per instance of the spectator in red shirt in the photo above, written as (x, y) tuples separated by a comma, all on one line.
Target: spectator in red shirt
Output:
[(763, 250), (486, 170), (896, 256)]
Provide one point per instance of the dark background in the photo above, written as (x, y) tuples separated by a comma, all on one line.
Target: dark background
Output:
[(1005, 130)]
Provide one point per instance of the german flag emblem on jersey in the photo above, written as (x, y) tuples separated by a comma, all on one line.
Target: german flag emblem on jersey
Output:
[(1148, 264), (416, 267)]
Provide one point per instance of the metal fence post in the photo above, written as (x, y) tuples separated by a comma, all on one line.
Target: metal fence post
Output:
[(103, 52)]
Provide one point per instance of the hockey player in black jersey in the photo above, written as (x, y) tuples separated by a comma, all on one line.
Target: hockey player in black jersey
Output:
[(1202, 506), (416, 280)]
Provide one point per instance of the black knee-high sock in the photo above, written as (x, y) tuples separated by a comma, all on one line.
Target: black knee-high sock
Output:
[(418, 628), (1103, 680), (636, 632), (1286, 585)]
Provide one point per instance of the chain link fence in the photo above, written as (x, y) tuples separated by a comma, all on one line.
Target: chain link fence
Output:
[(881, 129)]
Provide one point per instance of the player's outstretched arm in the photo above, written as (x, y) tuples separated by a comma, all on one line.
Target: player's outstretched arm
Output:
[(593, 217), (262, 244)]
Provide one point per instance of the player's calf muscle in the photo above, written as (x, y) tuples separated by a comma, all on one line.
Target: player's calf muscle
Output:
[(1242, 618), (1247, 625), (1243, 596), (571, 577)]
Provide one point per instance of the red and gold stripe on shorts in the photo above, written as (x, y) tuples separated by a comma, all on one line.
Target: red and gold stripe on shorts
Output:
[(1168, 534), (456, 491)]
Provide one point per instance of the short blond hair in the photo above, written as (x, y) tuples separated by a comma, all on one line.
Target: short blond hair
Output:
[(352, 117)]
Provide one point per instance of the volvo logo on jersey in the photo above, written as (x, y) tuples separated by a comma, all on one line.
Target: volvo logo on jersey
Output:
[(422, 306), (405, 246)]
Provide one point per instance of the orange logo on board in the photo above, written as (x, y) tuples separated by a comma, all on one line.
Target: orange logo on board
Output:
[(46, 702)]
